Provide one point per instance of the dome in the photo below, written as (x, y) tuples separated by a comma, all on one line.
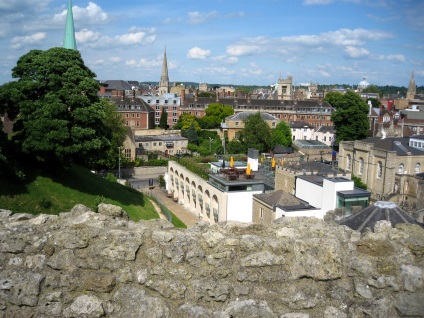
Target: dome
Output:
[(363, 84)]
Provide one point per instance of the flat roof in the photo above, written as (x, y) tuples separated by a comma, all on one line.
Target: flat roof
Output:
[(355, 193)]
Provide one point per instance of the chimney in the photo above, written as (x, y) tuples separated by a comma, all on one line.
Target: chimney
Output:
[(196, 92), (217, 96), (182, 96), (102, 90), (133, 94)]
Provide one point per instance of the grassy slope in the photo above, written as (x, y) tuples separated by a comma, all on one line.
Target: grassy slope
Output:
[(52, 195)]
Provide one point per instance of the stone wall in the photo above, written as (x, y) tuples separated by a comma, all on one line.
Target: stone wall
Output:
[(86, 264)]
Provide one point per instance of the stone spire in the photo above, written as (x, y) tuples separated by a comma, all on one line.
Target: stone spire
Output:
[(412, 88), (69, 38), (164, 79)]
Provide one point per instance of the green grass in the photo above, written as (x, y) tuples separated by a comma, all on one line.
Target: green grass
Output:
[(60, 193)]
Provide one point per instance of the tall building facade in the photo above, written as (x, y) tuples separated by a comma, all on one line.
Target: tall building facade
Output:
[(69, 41)]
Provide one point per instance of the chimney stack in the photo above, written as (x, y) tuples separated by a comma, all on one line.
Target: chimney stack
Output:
[(182, 96)]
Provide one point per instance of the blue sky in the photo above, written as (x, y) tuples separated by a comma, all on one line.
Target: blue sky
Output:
[(242, 42)]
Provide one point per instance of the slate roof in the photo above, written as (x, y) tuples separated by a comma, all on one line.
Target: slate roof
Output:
[(282, 199), (325, 129), (299, 124), (244, 115), (129, 101), (400, 145), (381, 210), (282, 150), (117, 85), (163, 138)]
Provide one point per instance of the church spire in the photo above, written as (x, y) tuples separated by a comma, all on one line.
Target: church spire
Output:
[(69, 38), (164, 79), (412, 88)]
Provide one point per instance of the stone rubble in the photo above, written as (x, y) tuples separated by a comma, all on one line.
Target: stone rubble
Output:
[(87, 264)]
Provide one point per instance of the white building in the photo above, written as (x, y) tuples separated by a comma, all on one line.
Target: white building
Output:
[(325, 134), (301, 130), (226, 195)]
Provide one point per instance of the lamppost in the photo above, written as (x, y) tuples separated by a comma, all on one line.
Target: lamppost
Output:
[(119, 163), (210, 144)]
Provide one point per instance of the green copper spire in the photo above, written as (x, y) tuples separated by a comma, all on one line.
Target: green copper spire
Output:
[(69, 38)]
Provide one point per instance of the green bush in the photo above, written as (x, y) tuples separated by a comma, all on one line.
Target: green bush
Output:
[(191, 164), (99, 199), (358, 182), (111, 177)]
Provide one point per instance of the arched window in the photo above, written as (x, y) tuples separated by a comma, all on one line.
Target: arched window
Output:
[(379, 169), (401, 168), (349, 162), (417, 168), (361, 166)]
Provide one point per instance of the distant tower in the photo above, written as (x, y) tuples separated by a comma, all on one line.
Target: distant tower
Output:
[(69, 38), (412, 88), (164, 79)]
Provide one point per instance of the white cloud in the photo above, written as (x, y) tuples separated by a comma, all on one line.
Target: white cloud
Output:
[(396, 57), (93, 14), (355, 52), (115, 59), (21, 41), (324, 73), (196, 17), (97, 40), (197, 53), (225, 59)]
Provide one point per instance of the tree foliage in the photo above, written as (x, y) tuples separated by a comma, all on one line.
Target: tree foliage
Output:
[(351, 116), (281, 135), (185, 121), (256, 133), (61, 119), (190, 134), (163, 121), (372, 89), (214, 115)]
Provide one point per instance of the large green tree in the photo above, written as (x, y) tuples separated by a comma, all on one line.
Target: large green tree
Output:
[(281, 135), (163, 121), (351, 116), (214, 114), (185, 121), (60, 118), (256, 133)]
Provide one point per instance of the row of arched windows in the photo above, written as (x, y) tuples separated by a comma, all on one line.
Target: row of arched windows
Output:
[(401, 167)]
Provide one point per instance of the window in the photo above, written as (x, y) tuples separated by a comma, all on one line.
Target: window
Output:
[(401, 168), (273, 124), (132, 115), (128, 153), (325, 138), (127, 115), (261, 213), (236, 123), (157, 107), (379, 170), (349, 162), (157, 113), (316, 137), (157, 101), (147, 145), (154, 144), (126, 123), (138, 115), (361, 166), (417, 168), (174, 115), (138, 123), (166, 101)]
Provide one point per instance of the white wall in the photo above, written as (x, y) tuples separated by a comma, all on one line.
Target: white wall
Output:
[(240, 205), (301, 134), (309, 192), (329, 193)]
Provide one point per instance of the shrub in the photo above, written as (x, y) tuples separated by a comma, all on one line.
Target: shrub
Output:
[(111, 177)]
